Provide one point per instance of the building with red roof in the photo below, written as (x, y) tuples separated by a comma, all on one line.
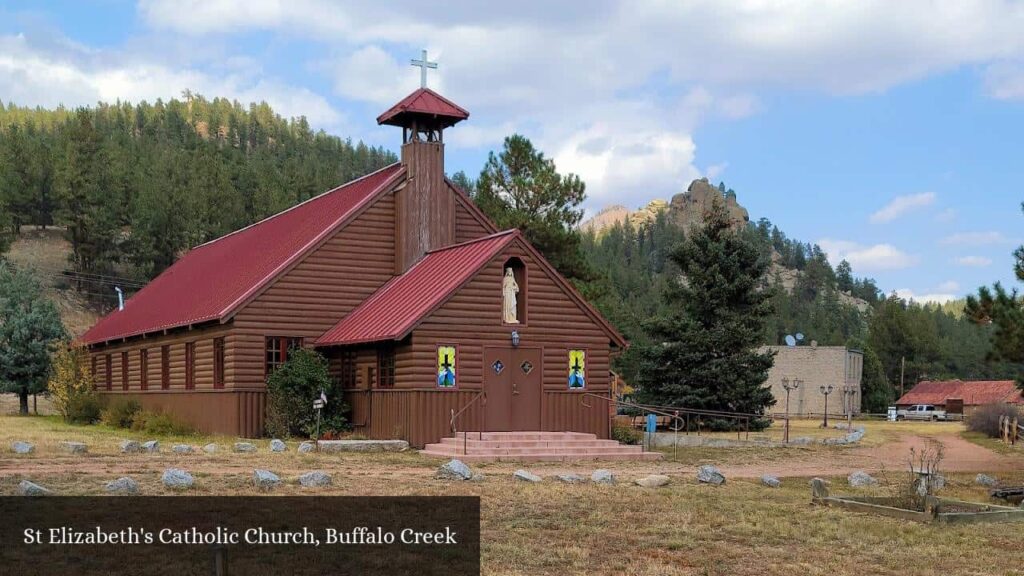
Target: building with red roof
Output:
[(958, 395), (421, 305)]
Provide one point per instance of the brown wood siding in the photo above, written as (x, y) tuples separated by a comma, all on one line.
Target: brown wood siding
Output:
[(467, 226), (318, 292), (211, 411), (471, 320), (425, 207)]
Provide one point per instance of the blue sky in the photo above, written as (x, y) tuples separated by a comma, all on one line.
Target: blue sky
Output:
[(889, 133)]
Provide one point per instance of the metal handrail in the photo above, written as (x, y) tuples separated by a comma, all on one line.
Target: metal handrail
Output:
[(675, 416), (743, 417), (457, 415)]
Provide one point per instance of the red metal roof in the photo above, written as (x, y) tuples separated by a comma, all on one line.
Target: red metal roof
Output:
[(424, 101), (394, 310), (212, 280), (973, 393)]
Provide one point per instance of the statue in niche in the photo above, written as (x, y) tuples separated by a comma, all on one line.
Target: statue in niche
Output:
[(509, 290)]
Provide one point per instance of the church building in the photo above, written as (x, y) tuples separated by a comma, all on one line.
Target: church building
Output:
[(422, 306)]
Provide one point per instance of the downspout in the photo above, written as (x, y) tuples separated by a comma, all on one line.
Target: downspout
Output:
[(120, 297)]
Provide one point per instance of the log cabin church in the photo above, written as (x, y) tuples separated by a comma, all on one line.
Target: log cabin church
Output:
[(422, 307)]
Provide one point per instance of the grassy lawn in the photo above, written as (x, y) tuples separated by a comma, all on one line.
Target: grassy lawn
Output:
[(992, 443), (549, 528)]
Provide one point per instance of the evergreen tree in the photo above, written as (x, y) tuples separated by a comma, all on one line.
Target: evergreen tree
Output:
[(30, 328), (520, 188), (703, 351)]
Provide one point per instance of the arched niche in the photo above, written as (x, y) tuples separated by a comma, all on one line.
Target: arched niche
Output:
[(520, 292)]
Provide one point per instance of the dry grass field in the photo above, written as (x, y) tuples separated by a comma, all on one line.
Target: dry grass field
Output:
[(550, 528)]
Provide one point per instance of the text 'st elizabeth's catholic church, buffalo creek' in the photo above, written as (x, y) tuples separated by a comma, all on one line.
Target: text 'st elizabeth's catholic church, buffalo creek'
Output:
[(418, 301)]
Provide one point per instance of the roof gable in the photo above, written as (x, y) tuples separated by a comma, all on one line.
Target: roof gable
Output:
[(392, 312), (399, 306), (214, 279)]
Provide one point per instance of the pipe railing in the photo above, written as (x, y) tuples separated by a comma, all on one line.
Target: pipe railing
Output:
[(740, 418), (456, 416), (675, 417)]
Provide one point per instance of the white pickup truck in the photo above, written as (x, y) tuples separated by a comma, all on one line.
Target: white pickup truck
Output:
[(921, 412)]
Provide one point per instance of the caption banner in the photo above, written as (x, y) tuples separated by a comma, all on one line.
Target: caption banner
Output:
[(240, 535)]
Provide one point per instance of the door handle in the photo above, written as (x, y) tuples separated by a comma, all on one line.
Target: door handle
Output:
[(515, 389)]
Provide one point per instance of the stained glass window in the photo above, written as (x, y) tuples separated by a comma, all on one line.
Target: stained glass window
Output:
[(577, 369), (446, 366)]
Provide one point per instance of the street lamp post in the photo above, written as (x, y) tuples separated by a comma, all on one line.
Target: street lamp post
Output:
[(788, 385), (826, 389)]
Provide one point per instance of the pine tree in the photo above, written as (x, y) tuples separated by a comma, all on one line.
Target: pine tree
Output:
[(520, 188), (30, 328), (704, 348)]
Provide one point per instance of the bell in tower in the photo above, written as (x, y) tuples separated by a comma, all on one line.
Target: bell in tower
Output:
[(425, 207)]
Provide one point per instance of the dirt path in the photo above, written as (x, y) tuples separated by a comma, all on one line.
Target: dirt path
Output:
[(959, 456)]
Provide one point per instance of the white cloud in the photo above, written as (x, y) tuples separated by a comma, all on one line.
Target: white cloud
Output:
[(71, 75), (908, 294), (715, 170), (949, 286), (975, 239), (863, 259), (973, 261), (902, 205)]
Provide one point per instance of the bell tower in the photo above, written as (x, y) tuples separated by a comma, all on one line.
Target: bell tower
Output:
[(424, 207)]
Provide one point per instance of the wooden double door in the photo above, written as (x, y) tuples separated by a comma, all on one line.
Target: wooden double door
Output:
[(512, 381)]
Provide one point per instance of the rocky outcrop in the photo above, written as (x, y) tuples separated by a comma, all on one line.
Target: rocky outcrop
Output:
[(688, 209), (611, 215)]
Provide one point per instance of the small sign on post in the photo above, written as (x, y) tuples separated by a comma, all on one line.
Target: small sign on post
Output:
[(318, 405)]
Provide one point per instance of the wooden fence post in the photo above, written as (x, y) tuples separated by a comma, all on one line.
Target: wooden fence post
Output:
[(1014, 430)]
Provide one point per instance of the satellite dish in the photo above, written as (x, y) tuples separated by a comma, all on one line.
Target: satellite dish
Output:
[(799, 337), (790, 341)]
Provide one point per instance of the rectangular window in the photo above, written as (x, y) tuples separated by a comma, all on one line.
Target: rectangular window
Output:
[(165, 367), (386, 367), (348, 369), (277, 348), (124, 370), (94, 371), (218, 362), (144, 368), (109, 373), (190, 365)]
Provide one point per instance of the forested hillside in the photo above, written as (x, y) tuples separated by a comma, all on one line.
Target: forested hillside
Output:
[(135, 185), (632, 269)]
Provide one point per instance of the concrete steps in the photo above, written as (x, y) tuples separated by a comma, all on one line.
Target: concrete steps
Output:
[(534, 447)]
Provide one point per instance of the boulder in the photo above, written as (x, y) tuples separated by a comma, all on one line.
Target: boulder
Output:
[(130, 447), (244, 447), (74, 447), (653, 481), (860, 479), (770, 481), (526, 476), (175, 478), (182, 449), (454, 470), (278, 446), (602, 476), (570, 478), (802, 441), (477, 477), (819, 488), (307, 447), (986, 480), (314, 479), (22, 447), (211, 448), (123, 485), (265, 479), (708, 474), (152, 446), (27, 488)]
